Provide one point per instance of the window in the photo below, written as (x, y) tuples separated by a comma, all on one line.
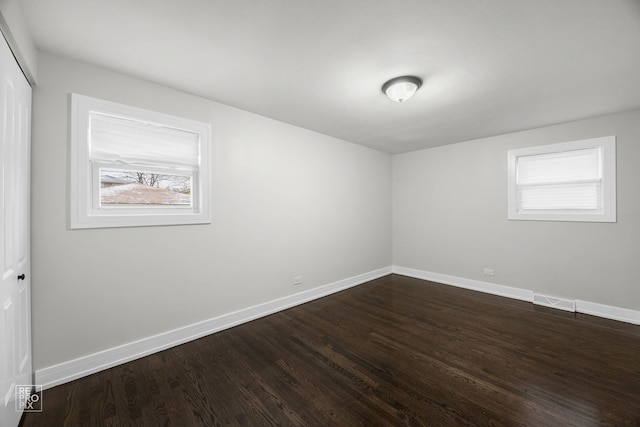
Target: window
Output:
[(573, 181), (133, 167)]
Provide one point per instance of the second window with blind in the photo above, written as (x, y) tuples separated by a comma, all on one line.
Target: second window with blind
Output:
[(134, 167), (572, 181)]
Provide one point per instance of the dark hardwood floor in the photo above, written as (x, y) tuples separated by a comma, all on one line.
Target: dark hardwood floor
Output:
[(395, 351)]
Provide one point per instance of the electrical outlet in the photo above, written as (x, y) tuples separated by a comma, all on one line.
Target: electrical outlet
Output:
[(489, 271), (297, 280)]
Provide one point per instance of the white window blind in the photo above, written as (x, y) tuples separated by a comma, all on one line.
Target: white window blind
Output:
[(136, 142), (573, 181), (564, 180)]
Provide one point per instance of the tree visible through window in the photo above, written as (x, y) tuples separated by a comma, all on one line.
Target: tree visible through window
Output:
[(128, 188)]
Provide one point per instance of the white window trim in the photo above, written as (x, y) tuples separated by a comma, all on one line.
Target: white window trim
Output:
[(83, 174), (608, 214)]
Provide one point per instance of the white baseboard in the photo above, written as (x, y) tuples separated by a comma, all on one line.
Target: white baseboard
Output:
[(608, 312), (460, 282), (73, 369), (585, 307)]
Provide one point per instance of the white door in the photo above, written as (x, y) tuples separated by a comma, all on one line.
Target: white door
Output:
[(15, 293)]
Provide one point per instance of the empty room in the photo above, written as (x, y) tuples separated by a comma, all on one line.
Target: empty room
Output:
[(320, 213)]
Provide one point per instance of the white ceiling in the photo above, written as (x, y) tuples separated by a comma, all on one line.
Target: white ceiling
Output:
[(489, 66)]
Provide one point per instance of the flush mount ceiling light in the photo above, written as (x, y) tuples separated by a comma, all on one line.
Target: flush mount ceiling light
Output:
[(402, 88)]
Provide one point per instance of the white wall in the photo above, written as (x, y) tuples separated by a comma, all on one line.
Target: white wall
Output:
[(450, 217), (286, 202)]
